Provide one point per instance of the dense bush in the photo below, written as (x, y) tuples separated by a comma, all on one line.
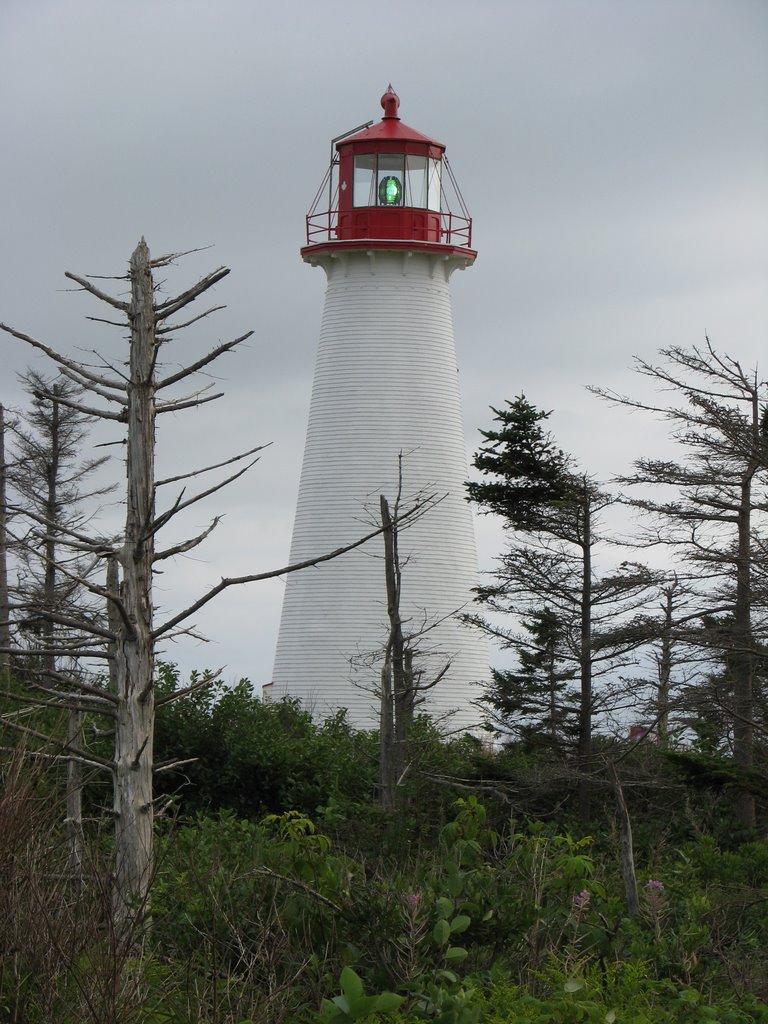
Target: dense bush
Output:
[(285, 895), (254, 757)]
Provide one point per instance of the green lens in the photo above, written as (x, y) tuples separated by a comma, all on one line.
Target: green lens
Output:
[(390, 191)]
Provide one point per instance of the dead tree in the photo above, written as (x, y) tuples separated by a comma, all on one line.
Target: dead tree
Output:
[(47, 479), (627, 849), (396, 687), (133, 397), (710, 522), (676, 657), (5, 632), (402, 687)]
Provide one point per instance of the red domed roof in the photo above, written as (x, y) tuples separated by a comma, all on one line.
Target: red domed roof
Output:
[(390, 128), (420, 216)]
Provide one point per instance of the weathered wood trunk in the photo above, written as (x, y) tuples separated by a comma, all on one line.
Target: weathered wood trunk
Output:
[(665, 672), (5, 630), (627, 847), (386, 741), (399, 660), (742, 657), (585, 659), (50, 573), (134, 656), (50, 604), (74, 803), (113, 618)]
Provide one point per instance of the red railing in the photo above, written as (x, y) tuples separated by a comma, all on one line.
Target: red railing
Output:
[(321, 227), (455, 229)]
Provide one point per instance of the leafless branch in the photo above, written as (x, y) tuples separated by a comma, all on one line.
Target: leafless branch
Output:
[(187, 545), (62, 701), (185, 371), (166, 766), (188, 323), (208, 469), (201, 684), (191, 404), (85, 760), (102, 320), (79, 684), (88, 410), (96, 389), (171, 257), (71, 751), (298, 885), (179, 505), (88, 287), (58, 358), (80, 624), (171, 306), (225, 583)]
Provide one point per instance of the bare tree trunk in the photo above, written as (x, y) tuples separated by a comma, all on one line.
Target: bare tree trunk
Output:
[(665, 672), (49, 602), (742, 659), (74, 819), (627, 850), (74, 798), (553, 694), (396, 644), (134, 665), (113, 619), (411, 686), (387, 778), (585, 659), (5, 627)]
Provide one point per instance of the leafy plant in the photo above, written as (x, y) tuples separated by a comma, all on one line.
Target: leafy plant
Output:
[(353, 1004)]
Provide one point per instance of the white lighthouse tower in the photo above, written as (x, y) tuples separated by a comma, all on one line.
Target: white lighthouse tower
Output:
[(385, 383)]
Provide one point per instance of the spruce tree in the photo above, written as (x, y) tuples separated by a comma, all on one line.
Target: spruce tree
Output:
[(553, 513), (536, 702)]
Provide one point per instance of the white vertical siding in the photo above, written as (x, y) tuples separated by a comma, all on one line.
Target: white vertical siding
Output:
[(385, 381)]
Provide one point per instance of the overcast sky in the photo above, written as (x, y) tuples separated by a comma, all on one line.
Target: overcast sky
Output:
[(613, 155)]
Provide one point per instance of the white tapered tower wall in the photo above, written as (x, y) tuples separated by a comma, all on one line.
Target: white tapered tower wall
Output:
[(386, 382)]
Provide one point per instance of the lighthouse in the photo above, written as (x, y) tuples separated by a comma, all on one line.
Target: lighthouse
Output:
[(388, 228)]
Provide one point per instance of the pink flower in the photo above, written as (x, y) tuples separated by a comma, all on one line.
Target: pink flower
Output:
[(412, 900), (581, 900), (652, 885)]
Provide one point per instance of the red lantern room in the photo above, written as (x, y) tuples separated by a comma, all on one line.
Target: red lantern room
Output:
[(388, 187)]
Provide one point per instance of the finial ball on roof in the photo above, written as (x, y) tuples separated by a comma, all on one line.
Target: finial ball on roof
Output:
[(390, 101)]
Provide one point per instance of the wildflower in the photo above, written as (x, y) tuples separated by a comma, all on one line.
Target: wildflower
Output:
[(654, 893), (412, 900), (581, 900)]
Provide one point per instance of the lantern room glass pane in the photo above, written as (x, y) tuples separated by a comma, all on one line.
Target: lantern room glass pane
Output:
[(390, 178), (363, 193), (433, 187), (416, 181)]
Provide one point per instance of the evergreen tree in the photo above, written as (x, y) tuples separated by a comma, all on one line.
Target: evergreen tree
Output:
[(536, 702), (553, 511), (528, 471), (48, 478)]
